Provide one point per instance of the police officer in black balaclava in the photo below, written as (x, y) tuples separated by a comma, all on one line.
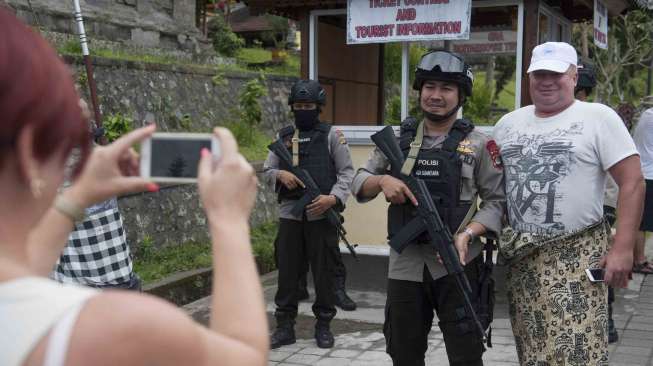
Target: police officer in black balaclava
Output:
[(323, 152)]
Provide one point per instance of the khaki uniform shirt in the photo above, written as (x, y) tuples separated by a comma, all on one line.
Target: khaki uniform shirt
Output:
[(481, 175), (339, 150)]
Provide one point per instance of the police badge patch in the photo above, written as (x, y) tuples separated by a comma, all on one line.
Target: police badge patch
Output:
[(341, 137), (467, 152), (465, 147), (493, 149)]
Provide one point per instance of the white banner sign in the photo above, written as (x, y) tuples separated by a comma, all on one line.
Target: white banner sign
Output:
[(600, 24), (378, 21)]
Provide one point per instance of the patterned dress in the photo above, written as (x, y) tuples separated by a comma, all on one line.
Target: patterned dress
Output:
[(558, 316)]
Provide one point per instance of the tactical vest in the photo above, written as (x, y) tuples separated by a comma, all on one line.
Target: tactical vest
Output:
[(314, 157), (441, 170)]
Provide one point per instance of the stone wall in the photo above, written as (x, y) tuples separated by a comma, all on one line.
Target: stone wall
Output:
[(173, 215), (181, 98), (149, 23)]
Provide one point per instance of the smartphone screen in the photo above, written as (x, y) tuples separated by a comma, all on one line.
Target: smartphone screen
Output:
[(595, 274), (174, 157)]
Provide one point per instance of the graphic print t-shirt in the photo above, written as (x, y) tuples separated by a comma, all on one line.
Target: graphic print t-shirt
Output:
[(556, 167)]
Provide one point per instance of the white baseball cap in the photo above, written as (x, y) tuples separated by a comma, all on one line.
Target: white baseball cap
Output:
[(553, 56)]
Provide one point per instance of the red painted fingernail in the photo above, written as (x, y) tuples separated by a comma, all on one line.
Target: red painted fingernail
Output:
[(204, 152), (152, 187)]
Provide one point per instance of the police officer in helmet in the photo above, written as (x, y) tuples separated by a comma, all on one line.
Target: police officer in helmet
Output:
[(458, 165), (323, 152), (586, 81)]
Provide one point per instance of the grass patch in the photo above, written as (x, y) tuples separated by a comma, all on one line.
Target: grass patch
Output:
[(255, 55), (245, 56), (153, 264), (252, 143), (263, 245), (72, 47)]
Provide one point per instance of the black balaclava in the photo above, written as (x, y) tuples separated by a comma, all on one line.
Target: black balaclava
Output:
[(305, 120)]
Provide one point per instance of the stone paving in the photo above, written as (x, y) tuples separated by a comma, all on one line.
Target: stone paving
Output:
[(633, 315)]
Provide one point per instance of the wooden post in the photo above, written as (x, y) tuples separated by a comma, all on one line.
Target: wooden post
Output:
[(304, 29), (99, 135), (531, 17), (381, 92)]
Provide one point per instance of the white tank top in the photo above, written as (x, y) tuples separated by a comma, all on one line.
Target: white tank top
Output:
[(29, 308)]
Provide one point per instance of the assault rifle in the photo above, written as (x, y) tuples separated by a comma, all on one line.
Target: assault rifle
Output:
[(427, 220), (312, 191)]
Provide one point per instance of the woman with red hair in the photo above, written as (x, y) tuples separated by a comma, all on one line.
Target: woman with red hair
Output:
[(47, 323)]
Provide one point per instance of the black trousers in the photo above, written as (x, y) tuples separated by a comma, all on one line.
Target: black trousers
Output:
[(339, 271), (409, 318), (296, 243)]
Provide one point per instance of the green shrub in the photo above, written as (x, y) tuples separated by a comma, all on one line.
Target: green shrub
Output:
[(263, 245), (479, 105), (225, 41), (71, 47), (249, 107), (116, 125), (393, 110)]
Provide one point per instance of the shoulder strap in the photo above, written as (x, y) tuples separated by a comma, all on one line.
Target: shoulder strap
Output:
[(415, 146), (295, 148), (57, 348), (460, 129)]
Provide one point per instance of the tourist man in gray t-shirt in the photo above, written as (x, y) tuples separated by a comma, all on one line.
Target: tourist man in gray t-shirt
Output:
[(557, 154)]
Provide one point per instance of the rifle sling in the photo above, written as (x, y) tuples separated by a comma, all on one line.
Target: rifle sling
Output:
[(415, 146), (470, 213), (295, 148)]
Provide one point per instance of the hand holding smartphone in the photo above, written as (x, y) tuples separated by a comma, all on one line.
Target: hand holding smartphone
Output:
[(595, 274), (174, 157)]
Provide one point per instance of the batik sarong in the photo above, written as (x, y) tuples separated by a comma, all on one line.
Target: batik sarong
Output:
[(558, 316)]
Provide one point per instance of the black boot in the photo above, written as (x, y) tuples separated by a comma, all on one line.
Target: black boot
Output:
[(323, 335), (342, 300), (282, 336)]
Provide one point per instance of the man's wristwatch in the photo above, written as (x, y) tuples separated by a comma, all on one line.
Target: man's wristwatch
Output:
[(469, 232)]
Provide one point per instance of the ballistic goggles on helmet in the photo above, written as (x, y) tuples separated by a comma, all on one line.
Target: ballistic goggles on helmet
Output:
[(445, 61), (441, 65)]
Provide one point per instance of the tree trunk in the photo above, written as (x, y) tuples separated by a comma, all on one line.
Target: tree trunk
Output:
[(585, 53), (489, 73)]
